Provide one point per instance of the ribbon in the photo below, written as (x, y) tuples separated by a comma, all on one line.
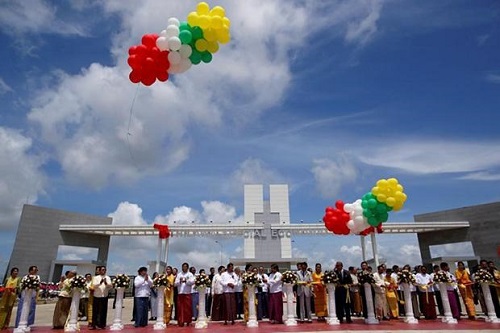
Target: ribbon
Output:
[(163, 231)]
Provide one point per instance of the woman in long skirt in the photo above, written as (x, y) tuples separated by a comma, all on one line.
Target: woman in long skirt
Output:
[(392, 296), (465, 288), (320, 303), (63, 305), (9, 297), (169, 295)]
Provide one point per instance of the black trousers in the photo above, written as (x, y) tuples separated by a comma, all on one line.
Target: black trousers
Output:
[(343, 308), (99, 311)]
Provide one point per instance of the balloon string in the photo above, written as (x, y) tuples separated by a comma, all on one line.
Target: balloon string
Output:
[(130, 122)]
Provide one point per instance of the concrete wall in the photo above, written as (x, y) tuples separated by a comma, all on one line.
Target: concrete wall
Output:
[(38, 238), (483, 233)]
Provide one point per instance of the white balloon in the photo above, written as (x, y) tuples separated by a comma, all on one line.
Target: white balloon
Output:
[(185, 51), (348, 208), (163, 33), (174, 21), (185, 65), (174, 58), (162, 43), (174, 43), (173, 31)]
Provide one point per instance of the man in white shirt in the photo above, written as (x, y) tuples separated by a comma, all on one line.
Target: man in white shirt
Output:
[(33, 270), (262, 295), (195, 296), (102, 285), (238, 293), (142, 284), (381, 307), (184, 282), (275, 295), (229, 280), (217, 298), (426, 293)]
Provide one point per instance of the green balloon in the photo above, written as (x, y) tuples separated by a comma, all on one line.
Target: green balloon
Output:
[(197, 33), (184, 26), (373, 221), (195, 57), (367, 213), (372, 203), (206, 57), (381, 207), (384, 217), (185, 36)]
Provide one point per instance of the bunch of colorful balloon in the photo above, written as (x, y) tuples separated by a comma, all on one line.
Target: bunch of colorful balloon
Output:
[(367, 214), (183, 44)]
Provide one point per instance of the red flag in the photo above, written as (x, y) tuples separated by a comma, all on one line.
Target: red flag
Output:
[(163, 231)]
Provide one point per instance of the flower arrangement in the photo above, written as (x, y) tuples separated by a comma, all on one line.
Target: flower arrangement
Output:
[(161, 281), (365, 277), (482, 276), (442, 277), (30, 282), (330, 277), (78, 282), (202, 281), (121, 281), (250, 279), (289, 277), (405, 276)]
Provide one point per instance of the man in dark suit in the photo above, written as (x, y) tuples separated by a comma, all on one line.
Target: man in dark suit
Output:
[(343, 305)]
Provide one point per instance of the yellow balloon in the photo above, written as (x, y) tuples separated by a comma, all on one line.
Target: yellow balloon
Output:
[(213, 47), (392, 181), (226, 22), (223, 36), (397, 206), (390, 202), (204, 21), (400, 188), (192, 19), (218, 11), (382, 183), (217, 22), (203, 8), (375, 190), (210, 35), (201, 45), (381, 197)]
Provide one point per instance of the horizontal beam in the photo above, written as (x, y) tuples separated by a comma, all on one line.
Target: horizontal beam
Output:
[(193, 230)]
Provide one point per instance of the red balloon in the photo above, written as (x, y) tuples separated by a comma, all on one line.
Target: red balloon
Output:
[(149, 40), (329, 209), (148, 78), (339, 204), (134, 62), (162, 76), (132, 50), (141, 51), (135, 76)]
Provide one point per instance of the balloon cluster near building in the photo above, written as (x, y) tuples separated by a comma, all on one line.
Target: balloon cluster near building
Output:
[(367, 214), (181, 45)]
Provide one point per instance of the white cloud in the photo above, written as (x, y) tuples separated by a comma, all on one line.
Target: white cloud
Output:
[(84, 118), (254, 171), (493, 77), (427, 156), (35, 17), (331, 176), (133, 252), (481, 176), (361, 31), (4, 87), (22, 179)]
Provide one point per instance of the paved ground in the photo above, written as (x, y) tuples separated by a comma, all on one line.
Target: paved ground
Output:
[(44, 312)]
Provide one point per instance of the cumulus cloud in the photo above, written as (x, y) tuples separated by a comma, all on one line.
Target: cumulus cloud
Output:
[(22, 180), (332, 175), (254, 171), (35, 16), (136, 251), (84, 118)]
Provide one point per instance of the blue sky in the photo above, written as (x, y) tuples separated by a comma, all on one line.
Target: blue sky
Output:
[(326, 96)]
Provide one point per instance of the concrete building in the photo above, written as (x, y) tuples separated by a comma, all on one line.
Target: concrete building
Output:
[(483, 232), (38, 240), (269, 245)]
